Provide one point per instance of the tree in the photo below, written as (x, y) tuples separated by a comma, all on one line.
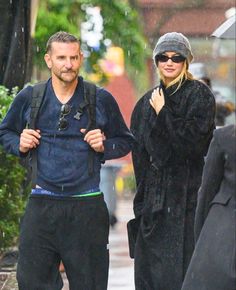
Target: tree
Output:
[(12, 176), (15, 43), (121, 26)]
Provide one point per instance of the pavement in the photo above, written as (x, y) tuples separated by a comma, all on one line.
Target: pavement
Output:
[(121, 266), (121, 273)]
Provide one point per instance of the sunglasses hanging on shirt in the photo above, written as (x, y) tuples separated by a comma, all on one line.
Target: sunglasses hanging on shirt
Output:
[(63, 122), (65, 110)]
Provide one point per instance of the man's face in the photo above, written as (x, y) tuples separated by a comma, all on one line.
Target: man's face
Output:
[(64, 61)]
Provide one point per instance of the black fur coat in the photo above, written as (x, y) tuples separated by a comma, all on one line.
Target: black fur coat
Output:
[(168, 158)]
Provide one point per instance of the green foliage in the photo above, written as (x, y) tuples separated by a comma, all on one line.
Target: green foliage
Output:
[(11, 178), (122, 26), (51, 18), (5, 100)]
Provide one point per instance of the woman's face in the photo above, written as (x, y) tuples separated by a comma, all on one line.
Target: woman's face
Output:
[(169, 68)]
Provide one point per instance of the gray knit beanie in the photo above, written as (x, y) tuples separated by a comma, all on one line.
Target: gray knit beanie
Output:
[(173, 41)]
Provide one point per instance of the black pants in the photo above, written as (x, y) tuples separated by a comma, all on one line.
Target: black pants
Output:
[(71, 230)]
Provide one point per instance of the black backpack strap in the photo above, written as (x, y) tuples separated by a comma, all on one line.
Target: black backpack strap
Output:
[(36, 101), (90, 98), (37, 98)]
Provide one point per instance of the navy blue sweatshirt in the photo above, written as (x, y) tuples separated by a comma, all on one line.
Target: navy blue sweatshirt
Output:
[(63, 155)]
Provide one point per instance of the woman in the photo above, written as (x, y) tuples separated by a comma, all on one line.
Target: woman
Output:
[(213, 264), (173, 125)]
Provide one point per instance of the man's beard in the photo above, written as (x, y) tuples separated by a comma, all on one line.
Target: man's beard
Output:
[(72, 73)]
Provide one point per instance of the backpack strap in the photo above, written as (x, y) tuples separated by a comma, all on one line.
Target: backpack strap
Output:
[(37, 98), (90, 98), (36, 101)]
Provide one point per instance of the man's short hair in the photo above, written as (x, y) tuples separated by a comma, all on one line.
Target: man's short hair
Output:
[(61, 36)]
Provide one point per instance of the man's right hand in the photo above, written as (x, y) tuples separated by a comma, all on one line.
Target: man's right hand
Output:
[(29, 139)]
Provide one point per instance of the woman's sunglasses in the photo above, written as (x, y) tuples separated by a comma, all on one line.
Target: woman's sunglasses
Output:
[(63, 123), (165, 58)]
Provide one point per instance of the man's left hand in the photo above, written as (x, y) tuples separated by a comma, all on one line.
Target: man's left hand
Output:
[(95, 139)]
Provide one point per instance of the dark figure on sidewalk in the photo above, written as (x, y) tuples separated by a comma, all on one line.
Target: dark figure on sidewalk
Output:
[(224, 107), (173, 126), (213, 264), (66, 218)]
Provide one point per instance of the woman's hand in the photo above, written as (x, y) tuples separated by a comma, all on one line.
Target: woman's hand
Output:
[(157, 100)]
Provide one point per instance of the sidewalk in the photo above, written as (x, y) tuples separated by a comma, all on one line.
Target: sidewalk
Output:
[(121, 266)]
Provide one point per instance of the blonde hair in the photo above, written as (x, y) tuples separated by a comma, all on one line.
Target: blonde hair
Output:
[(185, 74)]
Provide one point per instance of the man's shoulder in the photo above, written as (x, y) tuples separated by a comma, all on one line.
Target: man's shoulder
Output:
[(100, 91), (104, 96), (25, 94), (41, 84)]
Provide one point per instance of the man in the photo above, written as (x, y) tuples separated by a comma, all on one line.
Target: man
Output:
[(66, 218)]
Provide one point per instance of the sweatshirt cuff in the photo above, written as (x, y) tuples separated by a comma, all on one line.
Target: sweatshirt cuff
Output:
[(109, 148)]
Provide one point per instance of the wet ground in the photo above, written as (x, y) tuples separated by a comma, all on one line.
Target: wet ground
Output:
[(121, 266)]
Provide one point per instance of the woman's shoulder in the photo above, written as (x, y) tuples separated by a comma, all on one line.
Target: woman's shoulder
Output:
[(197, 84), (199, 89)]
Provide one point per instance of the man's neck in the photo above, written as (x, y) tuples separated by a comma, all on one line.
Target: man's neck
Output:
[(64, 90)]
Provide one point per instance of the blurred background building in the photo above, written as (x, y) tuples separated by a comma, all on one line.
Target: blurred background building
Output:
[(197, 19)]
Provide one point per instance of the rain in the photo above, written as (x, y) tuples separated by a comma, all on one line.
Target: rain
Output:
[(117, 41)]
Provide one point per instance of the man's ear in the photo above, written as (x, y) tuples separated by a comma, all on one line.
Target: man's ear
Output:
[(81, 57), (48, 61)]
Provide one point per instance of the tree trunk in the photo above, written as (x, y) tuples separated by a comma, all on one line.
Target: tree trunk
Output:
[(15, 43)]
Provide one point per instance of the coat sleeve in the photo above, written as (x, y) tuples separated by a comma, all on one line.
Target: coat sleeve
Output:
[(139, 156), (213, 173), (186, 136)]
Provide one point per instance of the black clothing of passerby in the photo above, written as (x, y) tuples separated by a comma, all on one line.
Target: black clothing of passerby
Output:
[(213, 264), (66, 218), (168, 158)]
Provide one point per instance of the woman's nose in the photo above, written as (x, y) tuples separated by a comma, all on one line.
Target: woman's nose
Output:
[(169, 61)]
